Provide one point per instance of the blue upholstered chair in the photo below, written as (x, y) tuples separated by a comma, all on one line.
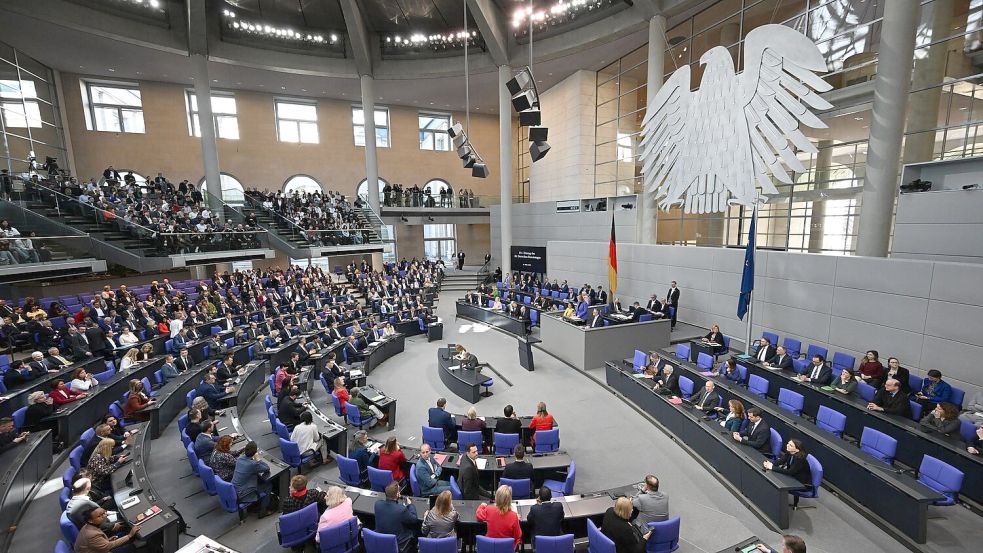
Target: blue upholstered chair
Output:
[(455, 489), (792, 346), (379, 543), (521, 487), (547, 441), (941, 477), (831, 421), (777, 444), (464, 439), (596, 541), (878, 445), (340, 538), (664, 537), (865, 391), (505, 443), (434, 437), (704, 361), (297, 528), (565, 487), (494, 545), (816, 473), (686, 387), (682, 351), (349, 471), (757, 385), (843, 361), (552, 544), (379, 479), (438, 545), (791, 401)]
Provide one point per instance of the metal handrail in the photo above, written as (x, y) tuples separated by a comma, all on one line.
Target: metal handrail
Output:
[(70, 200)]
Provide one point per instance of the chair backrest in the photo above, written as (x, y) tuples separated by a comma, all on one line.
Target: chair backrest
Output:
[(68, 528), (547, 440), (464, 439), (75, 457), (455, 489), (298, 527), (434, 437), (757, 385), (777, 444), (682, 351), (916, 410), (792, 346), (816, 350), (334, 400), (159, 376), (190, 397), (192, 458), (878, 444), (290, 452), (552, 544), (704, 361), (340, 538), (772, 337), (349, 471), (915, 382), (505, 443), (146, 385), (941, 477), (664, 537), (596, 541), (87, 435), (281, 430), (379, 543), (354, 415), (843, 361), (686, 387), (495, 545), (864, 390), (521, 487), (227, 496), (958, 395), (571, 478), (414, 483), (967, 430), (68, 476), (638, 361), (816, 473), (104, 376), (185, 439), (63, 498), (790, 401), (207, 476), (831, 421), (379, 479), (439, 545)]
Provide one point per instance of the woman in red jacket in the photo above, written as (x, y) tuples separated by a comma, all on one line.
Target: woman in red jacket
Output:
[(61, 394), (341, 393), (542, 420), (136, 402), (501, 520), (391, 457)]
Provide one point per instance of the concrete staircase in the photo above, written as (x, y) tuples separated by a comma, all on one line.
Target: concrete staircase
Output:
[(460, 281)]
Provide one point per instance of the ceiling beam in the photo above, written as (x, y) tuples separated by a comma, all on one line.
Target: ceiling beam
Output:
[(358, 36), (493, 29), (197, 27)]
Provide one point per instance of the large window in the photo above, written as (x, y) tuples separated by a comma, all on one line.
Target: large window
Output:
[(433, 132), (438, 242), (113, 107), (18, 100), (301, 184), (381, 126), (232, 190), (223, 113), (296, 121)]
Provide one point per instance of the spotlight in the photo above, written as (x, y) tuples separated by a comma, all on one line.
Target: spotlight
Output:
[(538, 134), (530, 118), (538, 150), (464, 150), (459, 140), (480, 170)]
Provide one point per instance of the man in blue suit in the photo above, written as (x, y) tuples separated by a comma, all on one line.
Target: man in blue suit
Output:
[(212, 392), (817, 373), (438, 418), (398, 517), (428, 474)]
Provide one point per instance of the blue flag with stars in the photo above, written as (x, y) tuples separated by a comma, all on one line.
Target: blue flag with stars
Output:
[(747, 282)]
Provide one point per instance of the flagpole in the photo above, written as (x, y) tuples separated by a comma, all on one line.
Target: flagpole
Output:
[(750, 302)]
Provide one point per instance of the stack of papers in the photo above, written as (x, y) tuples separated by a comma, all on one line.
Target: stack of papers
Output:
[(481, 462)]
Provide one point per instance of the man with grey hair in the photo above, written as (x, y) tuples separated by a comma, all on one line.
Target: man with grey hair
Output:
[(362, 454), (38, 366), (651, 504)]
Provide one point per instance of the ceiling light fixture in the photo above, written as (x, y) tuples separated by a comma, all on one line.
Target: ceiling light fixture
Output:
[(562, 11), (236, 25)]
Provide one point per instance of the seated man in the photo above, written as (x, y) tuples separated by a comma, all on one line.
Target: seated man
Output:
[(397, 517), (651, 504), (437, 417), (518, 469), (212, 392), (668, 383), (757, 434), (891, 400), (781, 359), (707, 399), (428, 474), (818, 373), (595, 319)]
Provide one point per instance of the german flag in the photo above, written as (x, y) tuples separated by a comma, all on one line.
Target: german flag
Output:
[(612, 262)]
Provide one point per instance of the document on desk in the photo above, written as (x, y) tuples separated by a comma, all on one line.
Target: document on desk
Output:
[(355, 373), (481, 462), (453, 367)]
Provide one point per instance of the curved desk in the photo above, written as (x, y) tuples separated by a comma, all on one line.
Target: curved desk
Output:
[(171, 398), (17, 397), (465, 383), (279, 471), (377, 352), (135, 495), (493, 318), (586, 348), (24, 467)]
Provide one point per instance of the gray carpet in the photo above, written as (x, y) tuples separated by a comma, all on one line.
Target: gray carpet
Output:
[(612, 444)]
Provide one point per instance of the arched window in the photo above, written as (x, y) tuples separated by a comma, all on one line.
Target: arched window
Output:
[(363, 189), (435, 186), (301, 184), (232, 191)]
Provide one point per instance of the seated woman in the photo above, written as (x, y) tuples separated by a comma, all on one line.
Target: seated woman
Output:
[(82, 381), (846, 384), (339, 510), (730, 370), (129, 359), (715, 337), (871, 370), (497, 305), (793, 462), (61, 394), (39, 407), (137, 402), (101, 466), (617, 526), (943, 419), (391, 457), (735, 416), (127, 337), (223, 460), (472, 423), (502, 521)]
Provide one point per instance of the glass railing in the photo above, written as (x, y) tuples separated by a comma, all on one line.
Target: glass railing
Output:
[(287, 228), (66, 205), (456, 201), (375, 221), (29, 250)]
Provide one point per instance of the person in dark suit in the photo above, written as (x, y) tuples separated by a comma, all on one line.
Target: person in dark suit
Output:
[(617, 526), (77, 346), (212, 392), (518, 469), (790, 544), (765, 350), (636, 312), (781, 359), (672, 300), (470, 488), (668, 383), (595, 319), (818, 373), (184, 361), (510, 424), (707, 399), (757, 434), (545, 518), (891, 400), (289, 409), (715, 337), (793, 462), (397, 516), (98, 344), (351, 350), (437, 417), (897, 372)]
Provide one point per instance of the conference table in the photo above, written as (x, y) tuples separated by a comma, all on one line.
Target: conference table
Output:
[(138, 503), (377, 352), (387, 404), (495, 319), (465, 383), (897, 498), (72, 419), (766, 491), (15, 398), (913, 441), (491, 425), (24, 467)]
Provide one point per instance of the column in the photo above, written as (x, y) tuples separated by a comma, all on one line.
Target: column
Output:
[(371, 163), (648, 210), (929, 72), (891, 86), (817, 222), (505, 170), (206, 123)]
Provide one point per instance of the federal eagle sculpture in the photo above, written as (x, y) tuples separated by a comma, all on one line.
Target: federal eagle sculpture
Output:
[(716, 144)]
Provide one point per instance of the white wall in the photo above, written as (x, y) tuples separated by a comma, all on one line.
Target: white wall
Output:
[(928, 314), (567, 171)]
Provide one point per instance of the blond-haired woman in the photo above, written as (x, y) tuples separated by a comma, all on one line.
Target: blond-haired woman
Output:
[(501, 520), (440, 521), (129, 359), (339, 510), (616, 525)]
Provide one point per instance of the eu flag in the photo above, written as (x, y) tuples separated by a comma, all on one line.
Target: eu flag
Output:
[(747, 282)]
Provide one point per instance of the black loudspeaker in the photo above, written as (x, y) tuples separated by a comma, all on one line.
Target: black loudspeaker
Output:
[(538, 134), (469, 161), (479, 170), (523, 100), (538, 150), (464, 151), (530, 118), (519, 82)]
